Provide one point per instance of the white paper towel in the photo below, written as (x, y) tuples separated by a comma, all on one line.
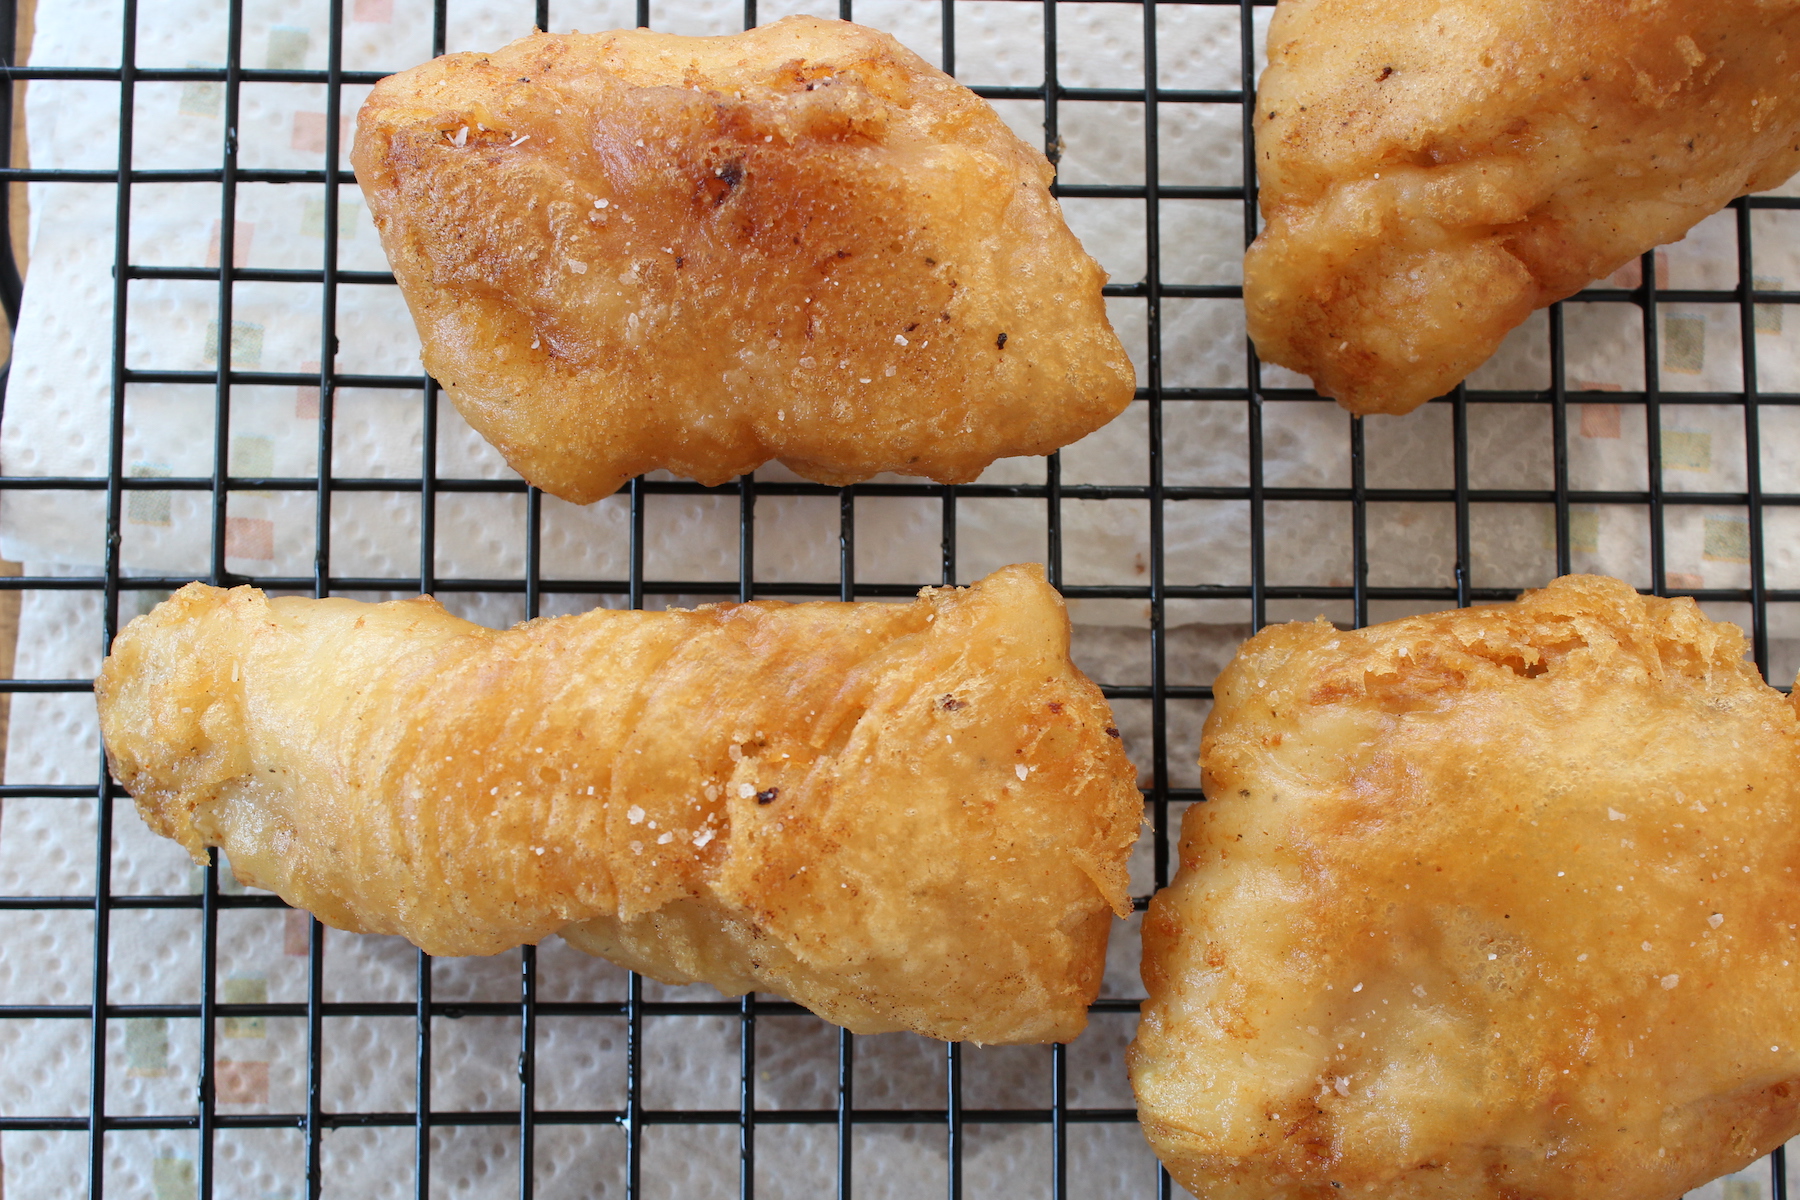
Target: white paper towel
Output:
[(56, 425)]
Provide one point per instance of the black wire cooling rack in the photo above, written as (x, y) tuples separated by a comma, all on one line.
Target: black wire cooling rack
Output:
[(843, 1115)]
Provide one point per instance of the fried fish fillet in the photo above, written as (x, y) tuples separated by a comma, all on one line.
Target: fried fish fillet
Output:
[(635, 250), (1430, 174), (1495, 903), (905, 817)]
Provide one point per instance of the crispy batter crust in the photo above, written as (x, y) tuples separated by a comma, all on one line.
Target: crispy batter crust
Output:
[(1432, 173), (1493, 903), (903, 816), (635, 250)]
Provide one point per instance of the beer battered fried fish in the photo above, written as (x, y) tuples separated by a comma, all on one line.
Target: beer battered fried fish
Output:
[(1431, 174), (1490, 903), (902, 816), (635, 250)]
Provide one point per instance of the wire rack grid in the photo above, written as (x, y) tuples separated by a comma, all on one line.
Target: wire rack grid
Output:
[(1258, 592)]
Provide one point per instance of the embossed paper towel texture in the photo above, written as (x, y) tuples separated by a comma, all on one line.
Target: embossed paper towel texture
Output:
[(56, 425)]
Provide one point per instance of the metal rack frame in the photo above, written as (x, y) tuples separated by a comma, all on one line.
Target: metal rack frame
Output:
[(1252, 397)]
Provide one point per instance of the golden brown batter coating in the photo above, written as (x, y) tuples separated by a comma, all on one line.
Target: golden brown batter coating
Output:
[(636, 250), (1494, 903), (1432, 173), (903, 816)]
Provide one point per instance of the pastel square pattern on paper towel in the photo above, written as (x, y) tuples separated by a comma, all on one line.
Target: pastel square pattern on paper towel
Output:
[(236, 1082), (147, 1048), (241, 233), (1600, 420), (296, 933), (1584, 530), (1684, 343), (173, 1178), (306, 397), (1767, 317), (1686, 450), (312, 216), (260, 1069), (288, 45), (1631, 275), (244, 989), (309, 133), (1727, 539), (201, 97), (253, 456), (250, 537), (146, 507), (246, 344)]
